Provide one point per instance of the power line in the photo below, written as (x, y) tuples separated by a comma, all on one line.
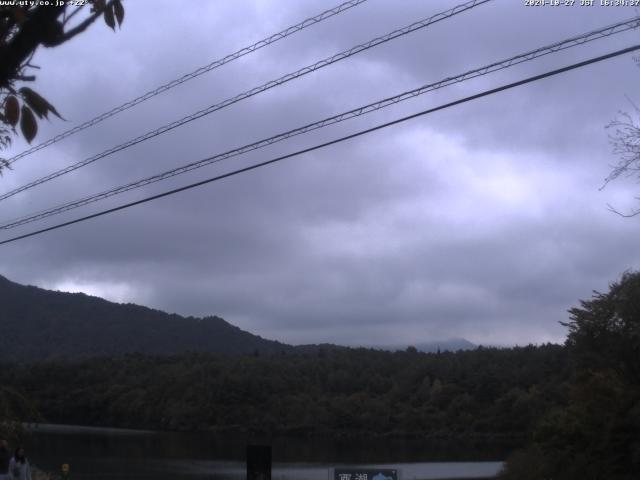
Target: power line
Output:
[(254, 91), (196, 73), (515, 60), (332, 142)]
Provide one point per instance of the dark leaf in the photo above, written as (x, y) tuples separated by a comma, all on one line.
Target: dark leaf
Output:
[(38, 104), (109, 19), (118, 9), (28, 124), (20, 15), (12, 110), (98, 6)]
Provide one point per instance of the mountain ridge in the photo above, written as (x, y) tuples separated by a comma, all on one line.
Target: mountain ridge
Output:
[(42, 324)]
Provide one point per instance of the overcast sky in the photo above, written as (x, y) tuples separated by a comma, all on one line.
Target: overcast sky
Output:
[(483, 221)]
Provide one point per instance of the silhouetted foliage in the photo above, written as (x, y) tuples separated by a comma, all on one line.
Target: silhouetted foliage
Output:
[(597, 435), (24, 27)]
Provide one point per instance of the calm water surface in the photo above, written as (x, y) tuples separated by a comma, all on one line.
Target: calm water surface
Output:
[(107, 454)]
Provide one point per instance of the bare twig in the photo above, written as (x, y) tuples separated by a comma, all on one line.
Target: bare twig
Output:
[(625, 142)]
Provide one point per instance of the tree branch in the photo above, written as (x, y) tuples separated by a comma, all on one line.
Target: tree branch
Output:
[(72, 14), (35, 30), (81, 27)]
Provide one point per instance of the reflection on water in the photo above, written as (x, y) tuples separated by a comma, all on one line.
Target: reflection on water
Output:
[(109, 453)]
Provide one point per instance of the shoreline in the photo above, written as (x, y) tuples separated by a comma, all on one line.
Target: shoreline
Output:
[(65, 428)]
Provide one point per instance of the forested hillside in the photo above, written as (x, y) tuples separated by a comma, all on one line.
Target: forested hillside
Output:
[(39, 324)]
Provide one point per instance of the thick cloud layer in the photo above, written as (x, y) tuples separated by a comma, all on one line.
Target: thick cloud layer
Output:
[(483, 221)]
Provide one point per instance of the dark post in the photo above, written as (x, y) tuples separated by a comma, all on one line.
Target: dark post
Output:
[(259, 462)]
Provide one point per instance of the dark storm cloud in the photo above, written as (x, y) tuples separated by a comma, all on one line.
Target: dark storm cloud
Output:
[(482, 221)]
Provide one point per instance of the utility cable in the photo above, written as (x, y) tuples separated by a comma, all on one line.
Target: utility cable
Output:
[(372, 107), (254, 91), (332, 142), (191, 75)]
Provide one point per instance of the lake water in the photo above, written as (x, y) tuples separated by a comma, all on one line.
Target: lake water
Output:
[(108, 454)]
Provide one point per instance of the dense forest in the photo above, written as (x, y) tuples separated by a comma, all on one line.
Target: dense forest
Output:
[(346, 391)]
